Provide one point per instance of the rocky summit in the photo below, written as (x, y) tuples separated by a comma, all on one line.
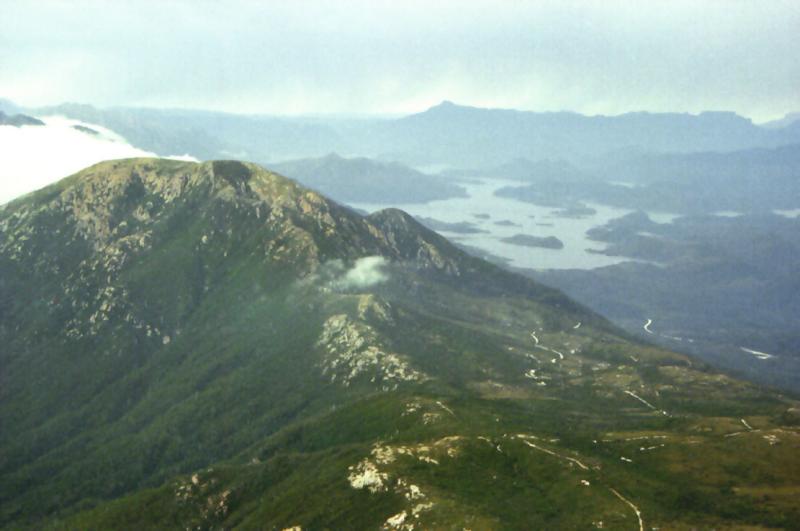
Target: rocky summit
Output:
[(212, 346)]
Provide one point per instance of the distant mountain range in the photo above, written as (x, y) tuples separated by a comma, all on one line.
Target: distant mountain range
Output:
[(478, 137), (214, 346), (526, 170), (361, 180), (447, 134), (752, 180), (790, 119), (18, 120)]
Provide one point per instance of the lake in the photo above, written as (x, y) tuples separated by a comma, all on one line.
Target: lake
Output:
[(527, 218)]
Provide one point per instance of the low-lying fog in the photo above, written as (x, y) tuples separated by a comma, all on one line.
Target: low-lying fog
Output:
[(37, 155)]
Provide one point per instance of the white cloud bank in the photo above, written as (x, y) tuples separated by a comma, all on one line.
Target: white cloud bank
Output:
[(34, 156)]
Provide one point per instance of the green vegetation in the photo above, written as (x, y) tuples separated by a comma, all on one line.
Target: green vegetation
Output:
[(181, 351)]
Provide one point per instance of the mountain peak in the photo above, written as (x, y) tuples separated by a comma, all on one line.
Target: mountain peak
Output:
[(142, 199), (393, 215), (445, 106)]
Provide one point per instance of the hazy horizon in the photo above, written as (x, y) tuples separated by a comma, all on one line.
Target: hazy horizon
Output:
[(384, 115), (380, 58)]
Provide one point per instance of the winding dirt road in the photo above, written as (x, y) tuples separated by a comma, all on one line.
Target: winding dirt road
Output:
[(632, 506)]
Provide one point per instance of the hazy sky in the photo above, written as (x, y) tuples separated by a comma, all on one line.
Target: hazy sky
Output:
[(600, 57)]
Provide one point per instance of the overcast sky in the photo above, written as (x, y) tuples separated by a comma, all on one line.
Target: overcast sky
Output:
[(364, 57)]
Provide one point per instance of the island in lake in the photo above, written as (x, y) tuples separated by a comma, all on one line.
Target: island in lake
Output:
[(84, 129), (575, 212), (548, 242), (460, 227), (506, 223)]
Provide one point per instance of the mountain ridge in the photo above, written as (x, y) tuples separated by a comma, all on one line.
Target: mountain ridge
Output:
[(18, 120), (363, 180), (477, 138)]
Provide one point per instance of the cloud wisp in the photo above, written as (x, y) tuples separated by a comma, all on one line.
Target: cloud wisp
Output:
[(335, 275), (366, 272)]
